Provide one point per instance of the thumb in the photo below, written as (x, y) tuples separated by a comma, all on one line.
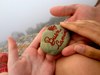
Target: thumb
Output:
[(63, 10), (87, 51), (12, 51)]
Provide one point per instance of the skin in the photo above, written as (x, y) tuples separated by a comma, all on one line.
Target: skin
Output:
[(76, 12), (77, 65), (26, 62), (32, 62), (89, 29)]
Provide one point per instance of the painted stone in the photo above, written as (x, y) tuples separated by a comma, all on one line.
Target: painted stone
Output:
[(54, 39)]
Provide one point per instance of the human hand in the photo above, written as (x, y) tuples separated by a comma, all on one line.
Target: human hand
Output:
[(86, 28), (32, 62), (77, 12)]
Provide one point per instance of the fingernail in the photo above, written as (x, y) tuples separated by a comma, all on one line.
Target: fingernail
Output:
[(79, 48), (61, 23)]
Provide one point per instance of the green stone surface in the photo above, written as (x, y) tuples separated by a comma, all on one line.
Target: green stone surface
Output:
[(54, 39)]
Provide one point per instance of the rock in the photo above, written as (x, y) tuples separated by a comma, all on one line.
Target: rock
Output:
[(54, 39)]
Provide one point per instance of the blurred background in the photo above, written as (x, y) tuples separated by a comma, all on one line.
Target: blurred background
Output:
[(22, 18)]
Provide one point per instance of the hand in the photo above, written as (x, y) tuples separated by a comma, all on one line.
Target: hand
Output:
[(77, 12), (89, 29), (32, 62)]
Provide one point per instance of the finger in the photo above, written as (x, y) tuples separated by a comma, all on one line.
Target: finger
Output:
[(36, 41), (12, 51), (75, 38), (89, 24), (52, 58), (41, 53), (63, 10), (69, 50), (83, 31), (87, 51), (91, 21)]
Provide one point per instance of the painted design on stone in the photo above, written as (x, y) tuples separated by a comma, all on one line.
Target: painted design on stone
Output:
[(55, 37), (53, 40)]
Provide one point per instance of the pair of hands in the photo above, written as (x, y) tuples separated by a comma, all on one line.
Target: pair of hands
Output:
[(86, 28), (86, 31), (35, 62)]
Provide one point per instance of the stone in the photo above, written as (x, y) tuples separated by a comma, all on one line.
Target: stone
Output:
[(54, 39)]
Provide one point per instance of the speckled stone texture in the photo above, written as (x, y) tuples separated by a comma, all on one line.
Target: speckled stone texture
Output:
[(54, 39)]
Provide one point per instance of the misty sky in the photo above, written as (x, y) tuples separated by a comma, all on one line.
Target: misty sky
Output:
[(18, 15)]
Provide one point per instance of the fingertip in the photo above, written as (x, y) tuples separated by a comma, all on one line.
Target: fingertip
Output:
[(54, 10), (65, 52), (44, 28), (11, 43), (62, 23), (69, 50), (10, 39), (12, 51), (58, 11)]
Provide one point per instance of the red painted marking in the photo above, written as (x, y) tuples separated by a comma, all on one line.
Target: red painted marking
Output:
[(52, 28), (53, 40), (59, 43)]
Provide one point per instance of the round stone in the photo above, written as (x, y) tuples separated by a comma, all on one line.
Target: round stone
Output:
[(54, 39)]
